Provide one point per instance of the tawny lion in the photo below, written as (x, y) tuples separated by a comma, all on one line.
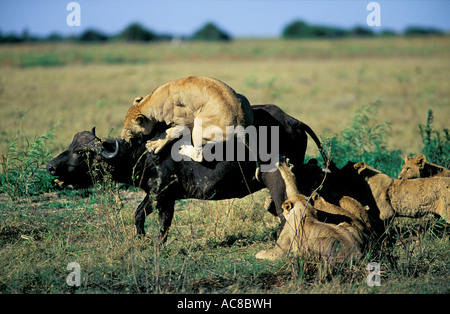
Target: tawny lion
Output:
[(409, 198), (304, 233), (206, 106), (419, 167)]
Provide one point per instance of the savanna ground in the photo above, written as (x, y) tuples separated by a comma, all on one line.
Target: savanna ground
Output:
[(67, 88)]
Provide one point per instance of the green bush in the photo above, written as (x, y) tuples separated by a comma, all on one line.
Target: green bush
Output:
[(436, 147), (365, 140), (23, 168)]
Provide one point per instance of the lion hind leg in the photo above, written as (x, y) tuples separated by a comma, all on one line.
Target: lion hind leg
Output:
[(196, 154)]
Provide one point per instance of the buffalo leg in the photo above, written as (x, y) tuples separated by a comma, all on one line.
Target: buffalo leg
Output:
[(275, 183), (165, 217), (142, 211)]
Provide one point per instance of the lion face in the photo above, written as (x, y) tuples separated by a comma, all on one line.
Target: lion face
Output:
[(136, 124), (412, 167)]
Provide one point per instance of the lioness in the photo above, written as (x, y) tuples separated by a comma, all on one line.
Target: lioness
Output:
[(206, 106)]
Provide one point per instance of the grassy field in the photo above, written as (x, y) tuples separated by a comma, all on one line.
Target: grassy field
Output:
[(319, 82), (212, 245)]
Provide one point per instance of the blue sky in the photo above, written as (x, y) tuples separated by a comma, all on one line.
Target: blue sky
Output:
[(240, 18)]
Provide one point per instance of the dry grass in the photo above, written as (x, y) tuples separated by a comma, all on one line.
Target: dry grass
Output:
[(308, 80)]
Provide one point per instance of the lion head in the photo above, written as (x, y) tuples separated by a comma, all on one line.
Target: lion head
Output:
[(412, 167), (136, 123)]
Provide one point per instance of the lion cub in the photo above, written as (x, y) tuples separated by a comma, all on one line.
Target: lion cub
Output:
[(304, 233), (201, 104), (408, 198), (419, 167)]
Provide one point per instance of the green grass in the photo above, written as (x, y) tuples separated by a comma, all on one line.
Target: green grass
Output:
[(211, 247), (49, 55)]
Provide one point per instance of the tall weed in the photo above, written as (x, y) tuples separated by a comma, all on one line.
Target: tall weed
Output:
[(23, 167), (436, 147), (365, 140)]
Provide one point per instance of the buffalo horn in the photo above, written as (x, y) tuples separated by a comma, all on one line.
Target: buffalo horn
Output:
[(108, 155)]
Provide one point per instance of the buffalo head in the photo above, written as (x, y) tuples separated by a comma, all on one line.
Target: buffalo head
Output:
[(72, 167)]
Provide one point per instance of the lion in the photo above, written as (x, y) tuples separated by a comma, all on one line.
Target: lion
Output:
[(409, 198), (419, 167), (305, 234), (206, 106)]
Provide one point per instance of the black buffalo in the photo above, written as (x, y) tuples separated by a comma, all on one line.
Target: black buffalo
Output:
[(165, 180)]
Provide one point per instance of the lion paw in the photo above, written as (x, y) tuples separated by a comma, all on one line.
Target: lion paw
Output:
[(153, 146), (267, 255)]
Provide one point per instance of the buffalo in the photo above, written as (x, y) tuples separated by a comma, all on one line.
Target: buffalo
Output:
[(165, 180)]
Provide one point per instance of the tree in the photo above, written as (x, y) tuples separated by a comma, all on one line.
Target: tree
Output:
[(92, 35), (136, 32), (211, 32), (422, 31), (297, 29), (361, 31), (300, 29)]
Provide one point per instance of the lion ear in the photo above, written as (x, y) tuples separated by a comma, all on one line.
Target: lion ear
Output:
[(360, 166), (287, 205), (137, 100), (141, 119), (420, 160)]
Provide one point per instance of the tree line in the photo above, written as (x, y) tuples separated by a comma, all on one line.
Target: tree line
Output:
[(136, 32)]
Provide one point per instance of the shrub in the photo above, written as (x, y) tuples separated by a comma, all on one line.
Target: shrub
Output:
[(365, 140), (23, 168), (436, 147)]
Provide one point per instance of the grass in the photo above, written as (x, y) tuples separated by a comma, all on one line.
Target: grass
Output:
[(211, 249), (321, 86), (330, 85)]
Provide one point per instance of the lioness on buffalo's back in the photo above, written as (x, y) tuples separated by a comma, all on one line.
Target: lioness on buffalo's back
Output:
[(198, 103)]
